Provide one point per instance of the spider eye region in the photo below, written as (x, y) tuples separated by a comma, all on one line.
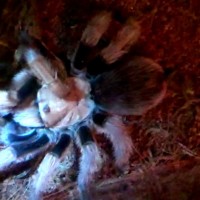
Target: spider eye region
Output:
[(61, 112)]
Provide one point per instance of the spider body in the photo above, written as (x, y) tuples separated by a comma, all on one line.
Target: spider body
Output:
[(51, 109)]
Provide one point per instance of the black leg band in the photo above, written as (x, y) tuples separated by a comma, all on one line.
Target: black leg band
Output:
[(24, 148), (99, 118), (15, 138), (61, 145), (30, 87), (85, 135)]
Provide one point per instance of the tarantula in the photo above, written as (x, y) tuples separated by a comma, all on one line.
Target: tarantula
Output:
[(46, 108)]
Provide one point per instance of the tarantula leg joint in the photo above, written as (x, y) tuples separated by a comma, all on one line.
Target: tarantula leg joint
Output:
[(61, 145), (85, 135)]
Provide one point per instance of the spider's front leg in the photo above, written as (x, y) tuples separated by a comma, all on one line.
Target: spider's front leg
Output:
[(90, 38), (91, 57), (91, 162), (23, 86), (43, 64)]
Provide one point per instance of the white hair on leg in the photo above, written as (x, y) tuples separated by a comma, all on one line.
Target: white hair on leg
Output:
[(118, 134), (20, 78), (124, 39), (7, 157), (44, 174), (96, 28), (90, 163), (47, 169), (28, 117), (6, 102), (10, 99)]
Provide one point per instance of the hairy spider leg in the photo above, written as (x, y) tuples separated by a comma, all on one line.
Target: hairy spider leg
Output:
[(24, 150), (90, 162), (117, 47), (124, 39), (48, 166), (90, 37), (23, 85), (118, 133)]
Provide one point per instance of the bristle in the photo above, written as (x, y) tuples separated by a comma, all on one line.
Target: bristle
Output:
[(51, 161), (90, 163), (118, 134), (90, 37), (124, 39), (91, 160), (96, 28), (28, 117), (44, 174)]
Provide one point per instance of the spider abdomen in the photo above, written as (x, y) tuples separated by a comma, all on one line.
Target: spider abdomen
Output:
[(133, 87)]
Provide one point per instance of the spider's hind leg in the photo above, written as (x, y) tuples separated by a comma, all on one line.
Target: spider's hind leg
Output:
[(118, 133), (90, 162)]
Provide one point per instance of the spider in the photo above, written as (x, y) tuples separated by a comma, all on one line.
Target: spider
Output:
[(46, 108)]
